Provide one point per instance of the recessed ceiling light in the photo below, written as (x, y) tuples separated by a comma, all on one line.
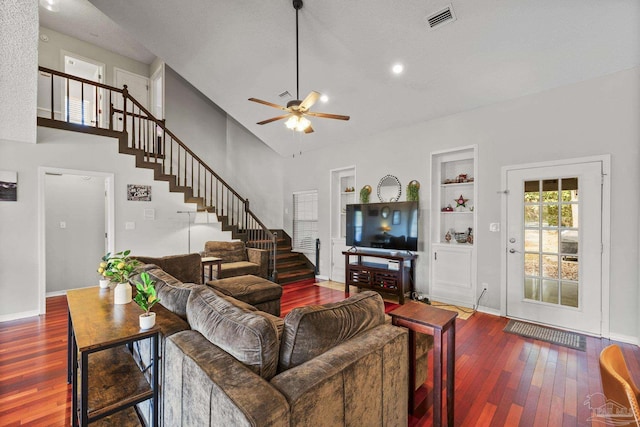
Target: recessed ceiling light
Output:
[(324, 98), (50, 5), (397, 68)]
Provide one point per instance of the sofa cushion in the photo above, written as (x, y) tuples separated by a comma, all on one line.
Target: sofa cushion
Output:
[(238, 268), (228, 251), (173, 294), (249, 337), (186, 268), (310, 331), (248, 288)]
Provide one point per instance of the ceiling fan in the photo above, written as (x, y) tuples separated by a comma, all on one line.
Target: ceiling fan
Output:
[(297, 109)]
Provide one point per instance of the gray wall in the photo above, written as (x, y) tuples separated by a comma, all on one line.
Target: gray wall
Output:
[(50, 56), (241, 159), (594, 117)]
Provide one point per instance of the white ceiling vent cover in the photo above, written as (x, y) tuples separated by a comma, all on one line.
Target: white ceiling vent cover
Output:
[(441, 17)]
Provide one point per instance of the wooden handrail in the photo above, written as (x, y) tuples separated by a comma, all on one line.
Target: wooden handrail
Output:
[(79, 79)]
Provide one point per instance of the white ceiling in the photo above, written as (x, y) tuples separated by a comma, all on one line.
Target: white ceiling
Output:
[(496, 50)]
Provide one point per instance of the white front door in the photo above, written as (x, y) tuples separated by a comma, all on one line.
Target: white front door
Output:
[(554, 245)]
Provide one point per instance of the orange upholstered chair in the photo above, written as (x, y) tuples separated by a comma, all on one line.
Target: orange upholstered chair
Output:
[(618, 386)]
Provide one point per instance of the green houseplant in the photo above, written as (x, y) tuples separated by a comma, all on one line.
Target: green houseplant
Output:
[(104, 265), (413, 191), (120, 267), (146, 297), (365, 192)]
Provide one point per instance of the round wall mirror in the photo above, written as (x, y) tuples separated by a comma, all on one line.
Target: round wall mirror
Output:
[(389, 189)]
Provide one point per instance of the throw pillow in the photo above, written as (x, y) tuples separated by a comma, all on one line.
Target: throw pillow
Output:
[(249, 337), (310, 331)]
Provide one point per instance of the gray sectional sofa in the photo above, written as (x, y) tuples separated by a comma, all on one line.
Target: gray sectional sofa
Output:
[(229, 363)]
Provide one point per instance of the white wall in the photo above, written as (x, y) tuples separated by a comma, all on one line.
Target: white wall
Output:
[(589, 118), (18, 50)]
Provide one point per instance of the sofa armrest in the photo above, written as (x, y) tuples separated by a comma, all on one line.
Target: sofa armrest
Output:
[(204, 384), (260, 257), (363, 381)]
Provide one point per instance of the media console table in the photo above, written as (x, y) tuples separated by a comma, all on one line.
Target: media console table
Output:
[(378, 276), (100, 339)]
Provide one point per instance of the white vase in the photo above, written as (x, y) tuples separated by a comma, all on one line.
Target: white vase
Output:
[(104, 283), (122, 293), (147, 321)]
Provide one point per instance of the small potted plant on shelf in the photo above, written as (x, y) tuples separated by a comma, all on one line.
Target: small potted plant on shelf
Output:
[(413, 191), (104, 265), (146, 298), (121, 268), (365, 192)]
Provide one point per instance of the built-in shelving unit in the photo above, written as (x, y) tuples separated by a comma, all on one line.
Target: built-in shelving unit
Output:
[(343, 193), (453, 225)]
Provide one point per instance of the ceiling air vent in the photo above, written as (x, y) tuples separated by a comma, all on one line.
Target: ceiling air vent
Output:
[(441, 17)]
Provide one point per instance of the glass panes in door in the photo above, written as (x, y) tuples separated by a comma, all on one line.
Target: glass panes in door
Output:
[(551, 231)]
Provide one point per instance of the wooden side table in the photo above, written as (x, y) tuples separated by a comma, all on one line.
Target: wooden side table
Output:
[(420, 317), (101, 334), (210, 261)]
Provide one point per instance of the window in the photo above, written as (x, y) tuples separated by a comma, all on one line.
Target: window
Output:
[(305, 221)]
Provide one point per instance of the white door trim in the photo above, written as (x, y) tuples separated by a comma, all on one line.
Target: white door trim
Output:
[(606, 230), (41, 250)]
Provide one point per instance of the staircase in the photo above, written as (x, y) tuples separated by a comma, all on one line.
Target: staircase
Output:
[(292, 266), (155, 147)]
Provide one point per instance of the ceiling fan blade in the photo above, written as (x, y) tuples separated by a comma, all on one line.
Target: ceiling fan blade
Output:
[(327, 115), (309, 101), (270, 104), (309, 129), (273, 119)]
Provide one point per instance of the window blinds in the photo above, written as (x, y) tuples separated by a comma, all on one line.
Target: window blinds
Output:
[(305, 221)]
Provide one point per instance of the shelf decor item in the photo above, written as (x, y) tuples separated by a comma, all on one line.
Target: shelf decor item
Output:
[(102, 268), (365, 192), (146, 298), (120, 268), (413, 191)]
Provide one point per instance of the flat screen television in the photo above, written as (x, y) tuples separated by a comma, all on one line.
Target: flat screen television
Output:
[(392, 225)]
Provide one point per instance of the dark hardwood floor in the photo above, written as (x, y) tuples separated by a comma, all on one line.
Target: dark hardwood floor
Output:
[(501, 379)]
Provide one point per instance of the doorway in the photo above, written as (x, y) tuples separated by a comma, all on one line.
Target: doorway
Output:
[(554, 249), (76, 227), (83, 103)]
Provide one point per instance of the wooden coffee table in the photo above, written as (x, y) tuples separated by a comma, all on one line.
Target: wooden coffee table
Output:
[(420, 317), (210, 261)]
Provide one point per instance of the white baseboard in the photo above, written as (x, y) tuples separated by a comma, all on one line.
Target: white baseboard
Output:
[(624, 338), (488, 310), (55, 294), (16, 316)]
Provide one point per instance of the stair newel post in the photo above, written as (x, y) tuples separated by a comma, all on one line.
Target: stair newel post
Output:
[(125, 93), (317, 269), (274, 244), (246, 216)]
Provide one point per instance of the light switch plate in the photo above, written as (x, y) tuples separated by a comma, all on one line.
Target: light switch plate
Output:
[(494, 227), (130, 225)]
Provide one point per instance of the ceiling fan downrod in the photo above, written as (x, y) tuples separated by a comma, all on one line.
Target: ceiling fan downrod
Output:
[(297, 5)]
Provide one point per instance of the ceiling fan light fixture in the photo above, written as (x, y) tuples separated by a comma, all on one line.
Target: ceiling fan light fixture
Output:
[(298, 123)]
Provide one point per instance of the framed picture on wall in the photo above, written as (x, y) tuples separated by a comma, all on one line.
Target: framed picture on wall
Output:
[(139, 193), (8, 186)]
